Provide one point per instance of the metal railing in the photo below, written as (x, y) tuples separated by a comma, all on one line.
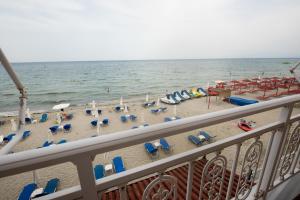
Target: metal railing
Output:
[(277, 164)]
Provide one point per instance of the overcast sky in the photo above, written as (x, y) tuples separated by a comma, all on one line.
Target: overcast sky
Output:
[(55, 30)]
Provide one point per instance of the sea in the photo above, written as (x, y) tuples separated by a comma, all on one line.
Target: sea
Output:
[(80, 82)]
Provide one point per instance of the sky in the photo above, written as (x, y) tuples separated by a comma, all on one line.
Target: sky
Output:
[(72, 30)]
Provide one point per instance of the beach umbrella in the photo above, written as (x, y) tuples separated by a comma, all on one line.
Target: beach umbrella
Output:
[(147, 97), (175, 110), (13, 125), (158, 102), (121, 101), (28, 113), (61, 106), (125, 108)]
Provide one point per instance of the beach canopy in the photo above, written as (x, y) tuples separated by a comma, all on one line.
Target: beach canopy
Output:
[(61, 106)]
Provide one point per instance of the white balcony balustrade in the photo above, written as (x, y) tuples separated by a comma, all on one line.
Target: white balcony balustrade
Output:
[(263, 167)]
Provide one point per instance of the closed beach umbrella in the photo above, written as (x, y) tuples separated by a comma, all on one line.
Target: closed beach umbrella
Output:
[(121, 101), (125, 108), (61, 106), (158, 102), (147, 97), (13, 125), (28, 113)]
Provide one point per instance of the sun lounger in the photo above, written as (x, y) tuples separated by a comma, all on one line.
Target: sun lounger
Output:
[(67, 128), (28, 120), (118, 108), (94, 123), (27, 191), (44, 117), (99, 171), (159, 110), (132, 117), (9, 137), (207, 137), (151, 150), (148, 104), (168, 119), (118, 164), (88, 112), (105, 122), (54, 129), (62, 141), (165, 145), (51, 186), (47, 143), (195, 140), (123, 118), (195, 93), (26, 134), (99, 111)]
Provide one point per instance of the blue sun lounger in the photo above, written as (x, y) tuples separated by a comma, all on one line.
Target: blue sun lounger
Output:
[(148, 104), (99, 171), (53, 129), (27, 191), (118, 164), (88, 112), (51, 186), (118, 108), (123, 118), (28, 120), (195, 140), (9, 137), (167, 119), (94, 123), (62, 141), (99, 111), (164, 145), (151, 150), (44, 117), (105, 121), (67, 127), (159, 110), (47, 143), (26, 134)]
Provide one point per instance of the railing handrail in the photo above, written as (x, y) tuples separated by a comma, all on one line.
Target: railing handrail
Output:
[(38, 158)]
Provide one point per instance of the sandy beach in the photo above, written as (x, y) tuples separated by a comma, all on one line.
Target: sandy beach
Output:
[(133, 156)]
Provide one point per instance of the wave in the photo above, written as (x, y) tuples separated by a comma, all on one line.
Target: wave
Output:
[(52, 93)]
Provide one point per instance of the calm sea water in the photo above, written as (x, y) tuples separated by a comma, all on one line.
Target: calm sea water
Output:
[(49, 83)]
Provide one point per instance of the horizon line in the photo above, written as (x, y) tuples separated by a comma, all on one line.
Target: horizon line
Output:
[(164, 59)]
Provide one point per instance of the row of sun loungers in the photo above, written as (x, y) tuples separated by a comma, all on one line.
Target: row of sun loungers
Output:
[(104, 122), (10, 136), (66, 128), (49, 143), (125, 118)]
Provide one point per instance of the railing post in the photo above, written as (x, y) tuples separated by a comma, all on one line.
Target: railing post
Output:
[(123, 192), (275, 151), (86, 177), (190, 180), (233, 170)]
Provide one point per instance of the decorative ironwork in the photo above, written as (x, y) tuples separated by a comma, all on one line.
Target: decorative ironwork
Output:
[(249, 169), (292, 146), (213, 177), (167, 188)]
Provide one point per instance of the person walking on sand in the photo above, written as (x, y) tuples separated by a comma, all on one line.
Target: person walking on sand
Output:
[(296, 74)]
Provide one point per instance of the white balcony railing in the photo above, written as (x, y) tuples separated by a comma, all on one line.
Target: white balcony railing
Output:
[(277, 163)]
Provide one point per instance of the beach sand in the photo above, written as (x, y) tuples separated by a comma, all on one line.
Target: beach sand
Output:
[(133, 156)]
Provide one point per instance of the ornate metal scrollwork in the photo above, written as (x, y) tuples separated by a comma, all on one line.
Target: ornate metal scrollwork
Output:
[(162, 193), (249, 169), (292, 146), (213, 177)]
